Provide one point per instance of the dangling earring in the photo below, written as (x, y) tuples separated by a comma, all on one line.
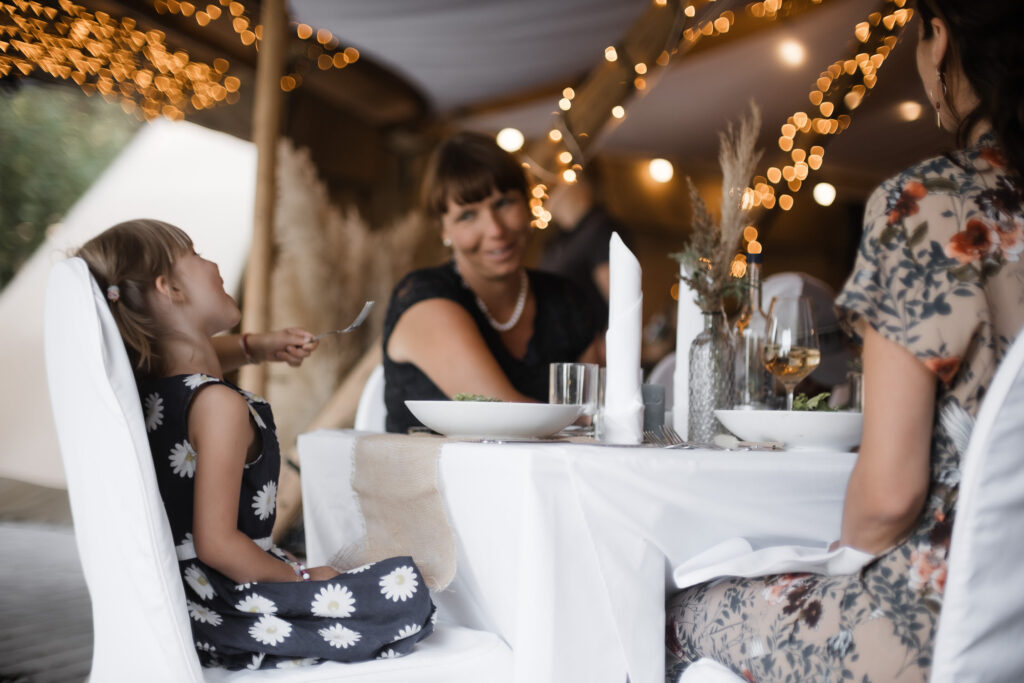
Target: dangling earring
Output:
[(446, 242), (938, 102)]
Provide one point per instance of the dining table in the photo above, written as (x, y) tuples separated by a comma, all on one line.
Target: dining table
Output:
[(566, 549)]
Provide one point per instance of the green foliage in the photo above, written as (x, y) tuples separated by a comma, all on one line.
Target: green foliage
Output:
[(819, 402), (54, 142)]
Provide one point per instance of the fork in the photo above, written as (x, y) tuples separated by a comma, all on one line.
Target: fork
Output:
[(651, 436), (671, 436), (365, 311)]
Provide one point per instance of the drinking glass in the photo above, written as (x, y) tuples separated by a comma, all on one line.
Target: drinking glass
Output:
[(791, 345), (575, 384)]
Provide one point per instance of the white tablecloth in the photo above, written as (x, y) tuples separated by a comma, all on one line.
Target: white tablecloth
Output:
[(566, 550)]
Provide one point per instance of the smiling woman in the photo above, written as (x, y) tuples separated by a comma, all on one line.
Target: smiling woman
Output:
[(481, 323)]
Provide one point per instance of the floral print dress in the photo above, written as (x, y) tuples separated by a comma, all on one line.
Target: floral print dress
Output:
[(375, 611), (939, 272)]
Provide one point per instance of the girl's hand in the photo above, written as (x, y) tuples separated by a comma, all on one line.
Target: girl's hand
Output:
[(291, 345)]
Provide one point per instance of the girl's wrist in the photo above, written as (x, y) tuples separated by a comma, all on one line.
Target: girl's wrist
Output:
[(300, 570), (243, 341)]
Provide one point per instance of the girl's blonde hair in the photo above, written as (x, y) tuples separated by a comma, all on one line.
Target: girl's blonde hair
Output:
[(131, 256)]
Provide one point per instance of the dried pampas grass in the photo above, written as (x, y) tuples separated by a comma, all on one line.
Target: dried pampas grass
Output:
[(707, 255), (328, 262)]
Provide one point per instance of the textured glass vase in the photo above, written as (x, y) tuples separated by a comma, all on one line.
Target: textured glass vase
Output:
[(712, 376)]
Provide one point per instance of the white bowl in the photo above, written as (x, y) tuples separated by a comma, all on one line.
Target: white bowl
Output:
[(494, 420), (797, 429)]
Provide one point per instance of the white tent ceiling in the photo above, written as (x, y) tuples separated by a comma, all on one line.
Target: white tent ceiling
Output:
[(466, 53)]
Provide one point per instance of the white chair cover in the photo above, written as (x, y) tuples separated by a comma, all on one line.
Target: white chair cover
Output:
[(140, 623), (371, 412), (981, 626)]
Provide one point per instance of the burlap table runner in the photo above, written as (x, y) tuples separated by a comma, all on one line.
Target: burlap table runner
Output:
[(395, 479)]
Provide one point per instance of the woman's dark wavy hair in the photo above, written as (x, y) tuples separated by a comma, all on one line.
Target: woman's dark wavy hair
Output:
[(986, 37), (466, 168)]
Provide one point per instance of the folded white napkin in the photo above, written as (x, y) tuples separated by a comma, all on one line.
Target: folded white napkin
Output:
[(689, 323), (623, 404), (736, 557)]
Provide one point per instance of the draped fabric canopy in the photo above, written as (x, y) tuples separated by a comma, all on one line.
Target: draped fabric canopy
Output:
[(490, 64)]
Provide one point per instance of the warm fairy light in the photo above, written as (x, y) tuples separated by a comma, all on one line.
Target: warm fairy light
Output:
[(568, 93), (791, 52), (660, 170), (785, 202), (564, 104), (749, 233), (565, 157), (539, 190), (640, 68), (824, 193), (738, 267), (774, 174), (510, 139), (554, 135), (909, 110), (754, 247), (569, 175), (610, 53), (618, 111)]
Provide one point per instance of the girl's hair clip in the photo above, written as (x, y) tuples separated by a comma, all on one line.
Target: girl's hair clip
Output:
[(113, 293)]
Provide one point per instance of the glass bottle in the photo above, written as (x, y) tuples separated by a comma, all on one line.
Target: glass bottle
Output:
[(712, 377), (754, 382)]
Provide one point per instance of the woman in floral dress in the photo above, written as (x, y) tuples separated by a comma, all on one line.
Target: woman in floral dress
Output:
[(937, 297), (217, 459)]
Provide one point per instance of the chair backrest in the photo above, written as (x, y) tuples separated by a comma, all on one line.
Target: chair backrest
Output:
[(140, 621), (371, 413), (981, 625)]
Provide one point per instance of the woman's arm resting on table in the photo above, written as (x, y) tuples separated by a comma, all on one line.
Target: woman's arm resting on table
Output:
[(290, 345), (440, 338), (889, 482), (222, 435)]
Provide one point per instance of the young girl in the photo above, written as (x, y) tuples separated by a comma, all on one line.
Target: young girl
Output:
[(217, 460)]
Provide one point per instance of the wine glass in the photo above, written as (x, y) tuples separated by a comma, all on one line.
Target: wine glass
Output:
[(791, 346)]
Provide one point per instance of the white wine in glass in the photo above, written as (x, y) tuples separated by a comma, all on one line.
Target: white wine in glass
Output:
[(791, 346)]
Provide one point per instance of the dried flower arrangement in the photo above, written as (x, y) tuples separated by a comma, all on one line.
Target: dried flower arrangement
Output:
[(707, 255)]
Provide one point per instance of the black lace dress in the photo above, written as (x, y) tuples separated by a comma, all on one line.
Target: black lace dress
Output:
[(564, 326), (375, 611)]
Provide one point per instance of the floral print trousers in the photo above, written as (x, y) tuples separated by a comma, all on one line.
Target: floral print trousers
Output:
[(871, 626)]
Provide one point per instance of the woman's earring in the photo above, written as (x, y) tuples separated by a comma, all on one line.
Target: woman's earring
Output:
[(446, 242), (938, 102)]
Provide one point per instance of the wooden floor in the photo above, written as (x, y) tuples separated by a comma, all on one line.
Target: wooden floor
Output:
[(45, 618)]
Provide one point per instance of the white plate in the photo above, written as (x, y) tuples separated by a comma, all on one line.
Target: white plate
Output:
[(798, 429), (492, 419)]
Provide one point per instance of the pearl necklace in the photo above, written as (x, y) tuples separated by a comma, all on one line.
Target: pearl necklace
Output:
[(516, 314)]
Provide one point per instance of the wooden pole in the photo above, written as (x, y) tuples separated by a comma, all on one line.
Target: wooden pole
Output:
[(266, 124)]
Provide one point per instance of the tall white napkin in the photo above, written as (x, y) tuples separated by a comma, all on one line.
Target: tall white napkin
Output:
[(689, 323), (623, 404)]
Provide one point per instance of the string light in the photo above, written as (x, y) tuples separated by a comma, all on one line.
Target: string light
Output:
[(838, 90), (122, 62), (112, 57)]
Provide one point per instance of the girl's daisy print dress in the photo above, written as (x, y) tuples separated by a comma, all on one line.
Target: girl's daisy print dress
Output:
[(376, 611)]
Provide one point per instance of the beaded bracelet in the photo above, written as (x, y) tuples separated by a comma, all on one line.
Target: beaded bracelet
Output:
[(300, 570), (244, 341)]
